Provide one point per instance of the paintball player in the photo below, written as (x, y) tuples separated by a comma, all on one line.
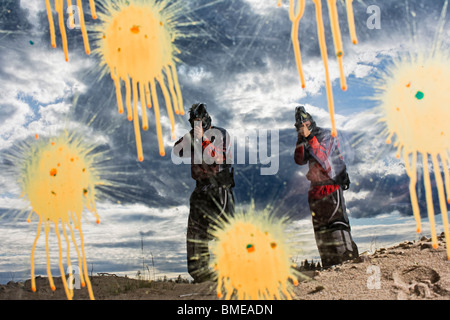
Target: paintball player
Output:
[(328, 176), (209, 148)]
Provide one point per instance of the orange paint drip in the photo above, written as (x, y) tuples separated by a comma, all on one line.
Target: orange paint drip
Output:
[(83, 28), (172, 89), (29, 216), (59, 198), (295, 18), (137, 131), (137, 44), (69, 293), (429, 199), (59, 7), (71, 18), (177, 87), (157, 118), (93, 11), (411, 171), (442, 203), (168, 105), (147, 96), (351, 21), (62, 28), (50, 23), (128, 99), (446, 163), (143, 107), (323, 51), (118, 92), (335, 30)]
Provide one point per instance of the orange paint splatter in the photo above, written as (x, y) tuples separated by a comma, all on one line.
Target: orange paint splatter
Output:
[(59, 198), (252, 257), (420, 125), (137, 49)]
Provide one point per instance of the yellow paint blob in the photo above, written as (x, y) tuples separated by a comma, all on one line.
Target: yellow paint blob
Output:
[(295, 16), (59, 7), (58, 178), (252, 257), (136, 47), (414, 100)]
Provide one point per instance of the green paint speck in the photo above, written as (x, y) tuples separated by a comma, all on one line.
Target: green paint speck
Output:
[(419, 95)]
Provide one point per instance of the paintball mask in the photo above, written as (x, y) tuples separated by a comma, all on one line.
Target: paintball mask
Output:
[(198, 111), (302, 116)]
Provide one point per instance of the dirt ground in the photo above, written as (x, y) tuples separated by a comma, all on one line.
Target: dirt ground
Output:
[(407, 271)]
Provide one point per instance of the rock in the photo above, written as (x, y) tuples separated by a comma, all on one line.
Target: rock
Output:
[(317, 289), (426, 245), (405, 244), (422, 290)]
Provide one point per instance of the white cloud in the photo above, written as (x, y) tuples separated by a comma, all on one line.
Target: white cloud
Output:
[(43, 75), (35, 89), (195, 75), (33, 7), (13, 203), (17, 113), (262, 7), (262, 93), (360, 195)]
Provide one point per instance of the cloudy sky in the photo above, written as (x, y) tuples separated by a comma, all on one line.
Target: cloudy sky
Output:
[(238, 59)]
